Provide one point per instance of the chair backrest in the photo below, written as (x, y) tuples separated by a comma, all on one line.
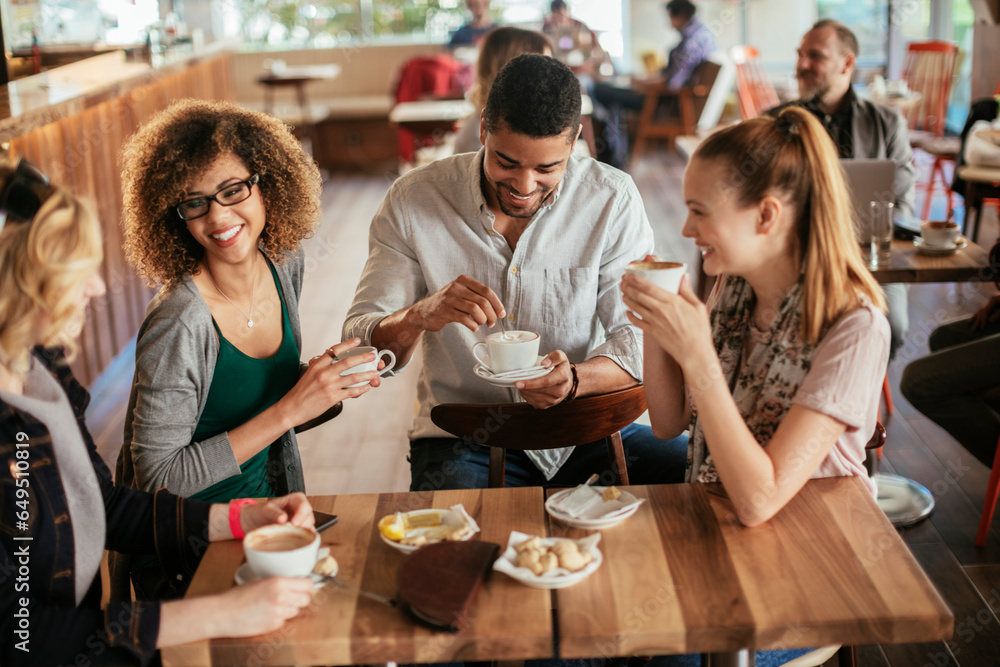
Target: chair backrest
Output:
[(522, 427), (754, 88), (929, 69)]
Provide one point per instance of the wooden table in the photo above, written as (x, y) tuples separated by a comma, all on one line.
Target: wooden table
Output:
[(296, 77), (980, 183), (681, 575), (906, 265)]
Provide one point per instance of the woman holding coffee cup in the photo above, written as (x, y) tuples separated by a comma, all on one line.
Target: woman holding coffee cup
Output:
[(58, 508), (778, 376), (217, 201)]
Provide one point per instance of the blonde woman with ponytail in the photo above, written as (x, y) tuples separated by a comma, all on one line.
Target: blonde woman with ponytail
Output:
[(777, 376)]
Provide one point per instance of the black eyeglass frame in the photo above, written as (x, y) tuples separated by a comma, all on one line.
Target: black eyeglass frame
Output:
[(250, 182), (19, 200)]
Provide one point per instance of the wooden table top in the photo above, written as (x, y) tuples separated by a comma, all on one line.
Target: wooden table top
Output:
[(684, 576), (681, 575), (906, 265), (299, 74)]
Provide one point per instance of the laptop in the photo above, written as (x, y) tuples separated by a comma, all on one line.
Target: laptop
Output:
[(868, 180)]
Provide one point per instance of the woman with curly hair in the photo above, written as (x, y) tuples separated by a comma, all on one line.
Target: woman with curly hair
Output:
[(217, 200), (60, 491)]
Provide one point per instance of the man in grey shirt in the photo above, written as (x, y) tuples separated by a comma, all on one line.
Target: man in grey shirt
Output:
[(523, 231)]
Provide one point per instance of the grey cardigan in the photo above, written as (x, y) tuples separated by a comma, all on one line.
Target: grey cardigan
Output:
[(175, 357)]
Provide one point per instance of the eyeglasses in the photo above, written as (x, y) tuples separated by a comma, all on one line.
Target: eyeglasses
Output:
[(19, 200), (227, 196)]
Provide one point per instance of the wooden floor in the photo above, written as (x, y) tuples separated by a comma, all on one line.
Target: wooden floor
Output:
[(364, 449)]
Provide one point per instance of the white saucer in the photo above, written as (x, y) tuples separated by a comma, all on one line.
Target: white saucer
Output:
[(504, 380), (245, 574), (558, 578), (938, 251), (605, 515)]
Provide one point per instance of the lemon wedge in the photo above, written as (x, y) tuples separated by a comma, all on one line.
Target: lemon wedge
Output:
[(391, 526)]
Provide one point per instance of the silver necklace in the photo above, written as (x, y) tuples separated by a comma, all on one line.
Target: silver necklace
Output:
[(253, 293)]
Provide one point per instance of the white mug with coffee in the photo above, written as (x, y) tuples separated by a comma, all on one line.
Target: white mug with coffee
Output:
[(939, 233), (665, 275), (508, 351), (281, 550), (368, 365)]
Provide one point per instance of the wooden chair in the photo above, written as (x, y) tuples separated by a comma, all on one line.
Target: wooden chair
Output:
[(754, 88), (929, 69), (526, 428), (993, 486), (654, 124)]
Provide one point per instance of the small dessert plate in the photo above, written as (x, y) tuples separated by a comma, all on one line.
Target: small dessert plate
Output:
[(245, 574), (449, 519), (509, 378), (557, 578), (938, 251), (603, 515)]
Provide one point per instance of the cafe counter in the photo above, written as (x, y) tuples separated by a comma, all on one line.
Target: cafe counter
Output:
[(72, 121)]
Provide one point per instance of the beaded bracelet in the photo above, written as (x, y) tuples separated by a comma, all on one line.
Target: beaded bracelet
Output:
[(234, 516), (576, 384)]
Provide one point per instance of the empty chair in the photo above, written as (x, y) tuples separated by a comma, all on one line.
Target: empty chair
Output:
[(526, 428), (656, 122), (754, 88)]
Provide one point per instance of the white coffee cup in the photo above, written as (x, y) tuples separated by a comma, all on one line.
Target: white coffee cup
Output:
[(508, 351), (941, 234), (665, 275), (368, 365), (281, 550)]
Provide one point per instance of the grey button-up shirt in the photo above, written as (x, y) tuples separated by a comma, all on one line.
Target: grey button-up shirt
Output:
[(561, 281)]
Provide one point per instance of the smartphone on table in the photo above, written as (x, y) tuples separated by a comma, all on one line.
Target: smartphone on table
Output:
[(324, 520)]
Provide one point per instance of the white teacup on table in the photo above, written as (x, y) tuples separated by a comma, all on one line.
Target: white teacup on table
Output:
[(665, 275), (939, 233), (508, 351), (368, 365), (281, 550)]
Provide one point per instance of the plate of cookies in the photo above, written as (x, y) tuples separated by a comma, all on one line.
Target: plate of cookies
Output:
[(408, 531), (592, 507), (549, 562)]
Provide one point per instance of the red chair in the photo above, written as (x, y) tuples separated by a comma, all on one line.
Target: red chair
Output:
[(420, 78), (993, 486), (754, 88), (929, 70)]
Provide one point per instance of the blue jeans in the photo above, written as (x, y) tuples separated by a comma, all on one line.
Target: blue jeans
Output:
[(764, 658), (949, 384), (450, 463)]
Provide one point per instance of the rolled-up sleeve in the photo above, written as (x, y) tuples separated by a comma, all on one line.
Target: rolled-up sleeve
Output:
[(392, 278), (628, 238)]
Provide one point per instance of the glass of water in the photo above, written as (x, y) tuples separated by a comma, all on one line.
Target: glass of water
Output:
[(881, 234)]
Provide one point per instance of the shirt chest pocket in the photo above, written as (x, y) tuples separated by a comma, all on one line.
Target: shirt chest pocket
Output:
[(570, 297)]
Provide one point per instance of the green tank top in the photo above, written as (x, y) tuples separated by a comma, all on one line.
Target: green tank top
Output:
[(243, 387)]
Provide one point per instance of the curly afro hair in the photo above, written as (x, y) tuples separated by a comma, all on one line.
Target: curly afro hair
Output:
[(165, 154)]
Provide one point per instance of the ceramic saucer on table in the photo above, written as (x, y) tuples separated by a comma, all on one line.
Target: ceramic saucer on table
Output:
[(938, 251), (245, 574), (509, 378), (603, 515)]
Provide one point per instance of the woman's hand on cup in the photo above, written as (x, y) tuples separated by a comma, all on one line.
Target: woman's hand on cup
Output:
[(293, 508), (678, 322), (322, 385), (264, 605), (552, 388)]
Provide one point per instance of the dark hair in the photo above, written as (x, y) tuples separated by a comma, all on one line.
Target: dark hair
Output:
[(844, 35), (558, 5), (682, 8), (534, 95)]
